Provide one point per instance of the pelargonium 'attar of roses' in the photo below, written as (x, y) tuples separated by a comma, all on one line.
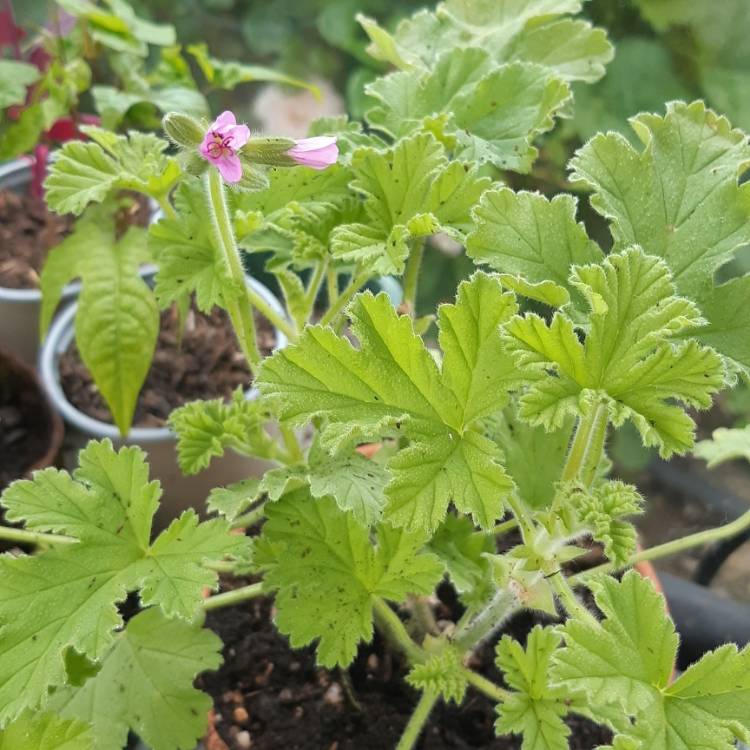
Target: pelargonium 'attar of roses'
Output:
[(222, 142)]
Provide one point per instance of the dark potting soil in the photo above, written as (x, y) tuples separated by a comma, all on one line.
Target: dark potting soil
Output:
[(207, 363), (268, 696), (25, 425), (28, 231)]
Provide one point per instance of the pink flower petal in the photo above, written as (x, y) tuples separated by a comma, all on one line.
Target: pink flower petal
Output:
[(230, 168), (240, 135), (224, 121), (318, 152)]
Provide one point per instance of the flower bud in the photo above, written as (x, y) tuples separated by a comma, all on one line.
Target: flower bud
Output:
[(182, 129), (271, 151)]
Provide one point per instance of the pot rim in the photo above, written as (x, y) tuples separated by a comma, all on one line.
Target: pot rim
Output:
[(14, 174), (59, 339)]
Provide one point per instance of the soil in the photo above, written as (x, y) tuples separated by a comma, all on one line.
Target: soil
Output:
[(26, 427), (268, 696), (28, 231), (207, 363)]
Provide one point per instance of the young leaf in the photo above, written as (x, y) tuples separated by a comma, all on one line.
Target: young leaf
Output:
[(234, 499), (626, 359), (205, 429), (411, 191), (679, 199), (82, 173), (65, 597), (327, 572), (117, 322), (145, 685), (725, 445), (528, 234), (392, 385), (47, 731), (442, 673), (626, 660), (536, 708)]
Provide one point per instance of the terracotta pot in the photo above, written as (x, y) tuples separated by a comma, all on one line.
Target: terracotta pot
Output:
[(19, 384), (159, 443)]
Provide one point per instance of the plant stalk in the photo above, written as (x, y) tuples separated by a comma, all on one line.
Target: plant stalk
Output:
[(355, 284), (487, 621), (22, 536), (240, 314), (671, 548), (411, 275), (229, 598), (588, 443), (505, 526), (246, 520), (417, 721), (393, 629)]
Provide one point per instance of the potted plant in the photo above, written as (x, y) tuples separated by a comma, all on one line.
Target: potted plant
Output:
[(437, 574)]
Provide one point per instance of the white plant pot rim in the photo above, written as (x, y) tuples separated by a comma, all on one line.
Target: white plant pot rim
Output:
[(59, 339), (18, 172)]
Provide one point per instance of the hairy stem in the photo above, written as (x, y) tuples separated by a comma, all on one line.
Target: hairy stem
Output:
[(486, 686), (246, 520), (588, 443), (357, 281), (411, 275), (22, 536), (332, 285), (291, 443), (671, 548), (487, 621), (240, 314), (505, 526), (561, 587), (167, 208), (316, 280), (393, 629), (417, 721), (229, 598), (423, 615)]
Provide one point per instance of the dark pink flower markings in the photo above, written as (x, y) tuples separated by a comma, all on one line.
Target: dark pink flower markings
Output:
[(318, 153), (221, 144)]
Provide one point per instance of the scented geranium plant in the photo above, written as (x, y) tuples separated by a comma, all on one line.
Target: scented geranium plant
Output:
[(492, 422)]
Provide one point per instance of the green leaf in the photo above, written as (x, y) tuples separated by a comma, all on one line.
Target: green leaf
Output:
[(205, 429), (527, 234), (600, 510), (65, 598), (227, 74), (82, 173), (678, 198), (117, 322), (145, 685), (190, 263), (725, 445), (234, 499), (527, 30), (464, 552), (441, 673), (627, 359), (410, 191), (535, 709), (327, 573), (626, 660), (45, 732), (533, 457), (15, 77), (392, 385)]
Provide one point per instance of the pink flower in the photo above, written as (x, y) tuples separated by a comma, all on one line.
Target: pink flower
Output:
[(221, 143), (319, 152)]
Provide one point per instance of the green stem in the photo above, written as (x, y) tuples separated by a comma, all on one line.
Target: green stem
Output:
[(246, 520), (316, 280), (332, 285), (487, 621), (524, 522), (167, 208), (240, 314), (588, 443), (505, 526), (22, 536), (673, 547), (423, 615), (417, 721), (277, 320), (486, 686), (393, 629), (567, 596), (230, 598), (411, 275), (292, 444), (355, 284)]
